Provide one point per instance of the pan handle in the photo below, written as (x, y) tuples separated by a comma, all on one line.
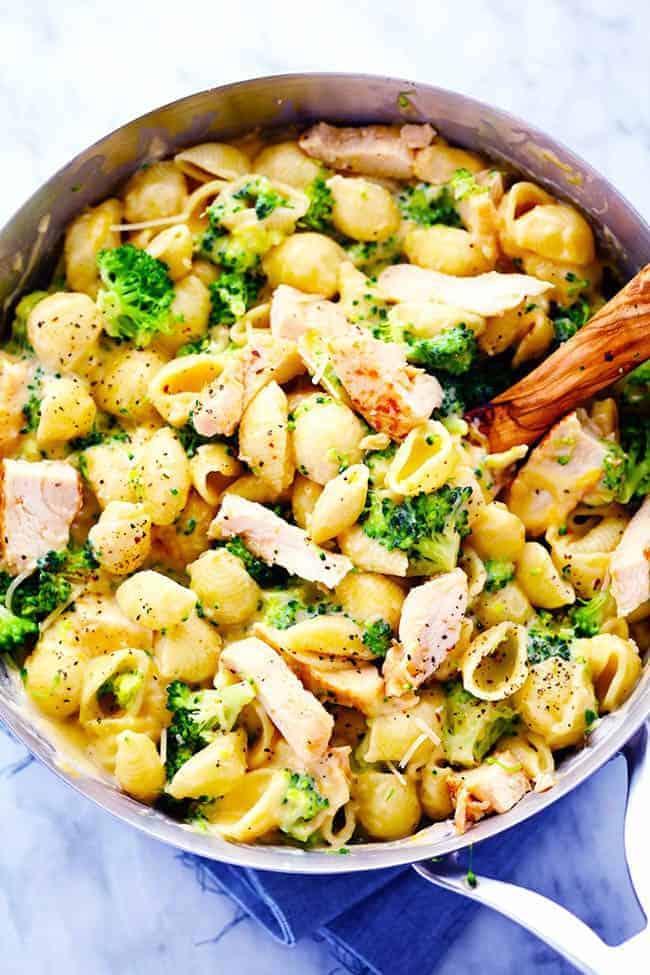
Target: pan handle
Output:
[(553, 924)]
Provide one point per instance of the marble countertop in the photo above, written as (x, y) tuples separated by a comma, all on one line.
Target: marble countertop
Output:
[(72, 71)]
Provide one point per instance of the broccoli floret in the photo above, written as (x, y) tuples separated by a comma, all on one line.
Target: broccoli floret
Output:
[(184, 810), (378, 636), (301, 803), (453, 350), (198, 716), (266, 576), (587, 617), (549, 636), (98, 435), (117, 693), (191, 440), (486, 379), (321, 201), (282, 613), (257, 194), (24, 307), (463, 184), (635, 388), (499, 574), (285, 609), (471, 726), (195, 347), (427, 527), (51, 584), (15, 633), (634, 480), (371, 256), (569, 320), (31, 410), (428, 205), (136, 294), (232, 294)]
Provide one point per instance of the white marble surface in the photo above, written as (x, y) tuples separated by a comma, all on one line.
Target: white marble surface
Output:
[(70, 72)]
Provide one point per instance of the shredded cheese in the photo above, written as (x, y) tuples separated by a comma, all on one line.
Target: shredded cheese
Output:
[(398, 775), (411, 750), (163, 746), (426, 730), (147, 224)]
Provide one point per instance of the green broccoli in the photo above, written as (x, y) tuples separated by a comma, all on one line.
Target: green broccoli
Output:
[(232, 294), (372, 256), (191, 441), (549, 636), (427, 527), (499, 574), (257, 194), (301, 803), (283, 609), (635, 388), (108, 431), (463, 184), (632, 482), (454, 351), (266, 576), (588, 615), (16, 633), (321, 201), (471, 727), (282, 613), (428, 205), (569, 320), (487, 377), (378, 637), (31, 409), (240, 253), (51, 584), (136, 294), (197, 716), (119, 691), (195, 347), (19, 340)]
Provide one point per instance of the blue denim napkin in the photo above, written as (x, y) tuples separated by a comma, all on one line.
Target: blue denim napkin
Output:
[(392, 921)]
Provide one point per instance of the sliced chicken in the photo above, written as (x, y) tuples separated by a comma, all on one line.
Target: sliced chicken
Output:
[(630, 566), (294, 313), (488, 789), (222, 404), (272, 539), (391, 395), (359, 686), (300, 718), (374, 150), (40, 500), (560, 471), (429, 629), (485, 294)]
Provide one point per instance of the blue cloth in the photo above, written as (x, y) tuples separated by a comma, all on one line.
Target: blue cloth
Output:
[(392, 921)]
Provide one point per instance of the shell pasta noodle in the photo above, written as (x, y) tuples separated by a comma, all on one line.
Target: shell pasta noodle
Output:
[(257, 561)]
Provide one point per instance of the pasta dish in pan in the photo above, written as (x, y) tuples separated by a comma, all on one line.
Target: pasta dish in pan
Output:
[(258, 561)]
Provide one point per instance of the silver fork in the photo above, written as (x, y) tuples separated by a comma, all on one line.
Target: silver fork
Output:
[(560, 929)]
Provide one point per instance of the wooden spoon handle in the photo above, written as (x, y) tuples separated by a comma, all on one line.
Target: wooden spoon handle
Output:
[(616, 340)]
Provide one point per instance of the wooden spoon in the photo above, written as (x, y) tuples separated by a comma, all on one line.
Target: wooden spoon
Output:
[(616, 340)]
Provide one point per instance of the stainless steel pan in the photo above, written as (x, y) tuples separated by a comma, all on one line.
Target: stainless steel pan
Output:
[(29, 246)]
